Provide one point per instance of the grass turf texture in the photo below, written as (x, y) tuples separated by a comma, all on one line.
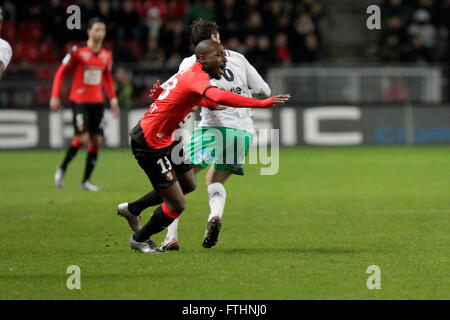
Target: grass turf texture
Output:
[(309, 232)]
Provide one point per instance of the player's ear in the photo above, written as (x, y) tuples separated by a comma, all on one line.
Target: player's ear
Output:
[(202, 59), (215, 37)]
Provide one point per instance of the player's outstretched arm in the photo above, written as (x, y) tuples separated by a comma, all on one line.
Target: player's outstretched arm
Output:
[(211, 105), (234, 100)]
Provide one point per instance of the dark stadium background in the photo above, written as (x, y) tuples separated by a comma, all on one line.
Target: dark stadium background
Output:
[(149, 40)]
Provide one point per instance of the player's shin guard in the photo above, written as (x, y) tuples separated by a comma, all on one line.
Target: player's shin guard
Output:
[(217, 196), (148, 200), (172, 229), (75, 145), (91, 160), (161, 219)]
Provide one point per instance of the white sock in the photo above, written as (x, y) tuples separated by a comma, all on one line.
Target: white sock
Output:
[(172, 233), (217, 195)]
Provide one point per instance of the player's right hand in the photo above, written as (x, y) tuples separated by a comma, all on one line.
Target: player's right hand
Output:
[(155, 91), (55, 104), (281, 98)]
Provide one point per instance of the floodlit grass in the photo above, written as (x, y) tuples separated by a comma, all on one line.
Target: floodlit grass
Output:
[(309, 232)]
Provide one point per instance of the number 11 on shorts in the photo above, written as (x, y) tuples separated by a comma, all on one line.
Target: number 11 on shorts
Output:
[(164, 169)]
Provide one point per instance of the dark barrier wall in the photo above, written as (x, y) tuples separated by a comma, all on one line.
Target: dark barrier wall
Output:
[(316, 126)]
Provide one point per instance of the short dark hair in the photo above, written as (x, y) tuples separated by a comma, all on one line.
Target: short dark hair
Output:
[(202, 30), (93, 21)]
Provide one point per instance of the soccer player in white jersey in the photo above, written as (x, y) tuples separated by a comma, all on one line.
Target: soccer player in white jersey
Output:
[(5, 49), (234, 125)]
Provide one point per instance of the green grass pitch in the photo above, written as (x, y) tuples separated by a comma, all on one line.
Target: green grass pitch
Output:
[(309, 232)]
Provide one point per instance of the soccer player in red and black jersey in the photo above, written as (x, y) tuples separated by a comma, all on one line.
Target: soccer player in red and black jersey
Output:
[(92, 68), (153, 144)]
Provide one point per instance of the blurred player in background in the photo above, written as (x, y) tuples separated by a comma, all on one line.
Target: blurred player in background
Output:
[(234, 124), (5, 49), (152, 140), (92, 68)]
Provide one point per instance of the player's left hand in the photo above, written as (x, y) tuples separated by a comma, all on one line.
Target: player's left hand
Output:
[(155, 91), (115, 108)]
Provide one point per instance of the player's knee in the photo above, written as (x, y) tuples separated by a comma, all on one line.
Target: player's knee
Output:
[(83, 138), (177, 205), (189, 187), (211, 179), (94, 139), (77, 143)]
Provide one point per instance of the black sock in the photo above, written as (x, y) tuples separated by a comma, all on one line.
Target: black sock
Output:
[(70, 154), (90, 164), (157, 223), (148, 200)]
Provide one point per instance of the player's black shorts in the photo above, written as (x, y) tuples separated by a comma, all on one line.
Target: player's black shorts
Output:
[(158, 164), (87, 117)]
